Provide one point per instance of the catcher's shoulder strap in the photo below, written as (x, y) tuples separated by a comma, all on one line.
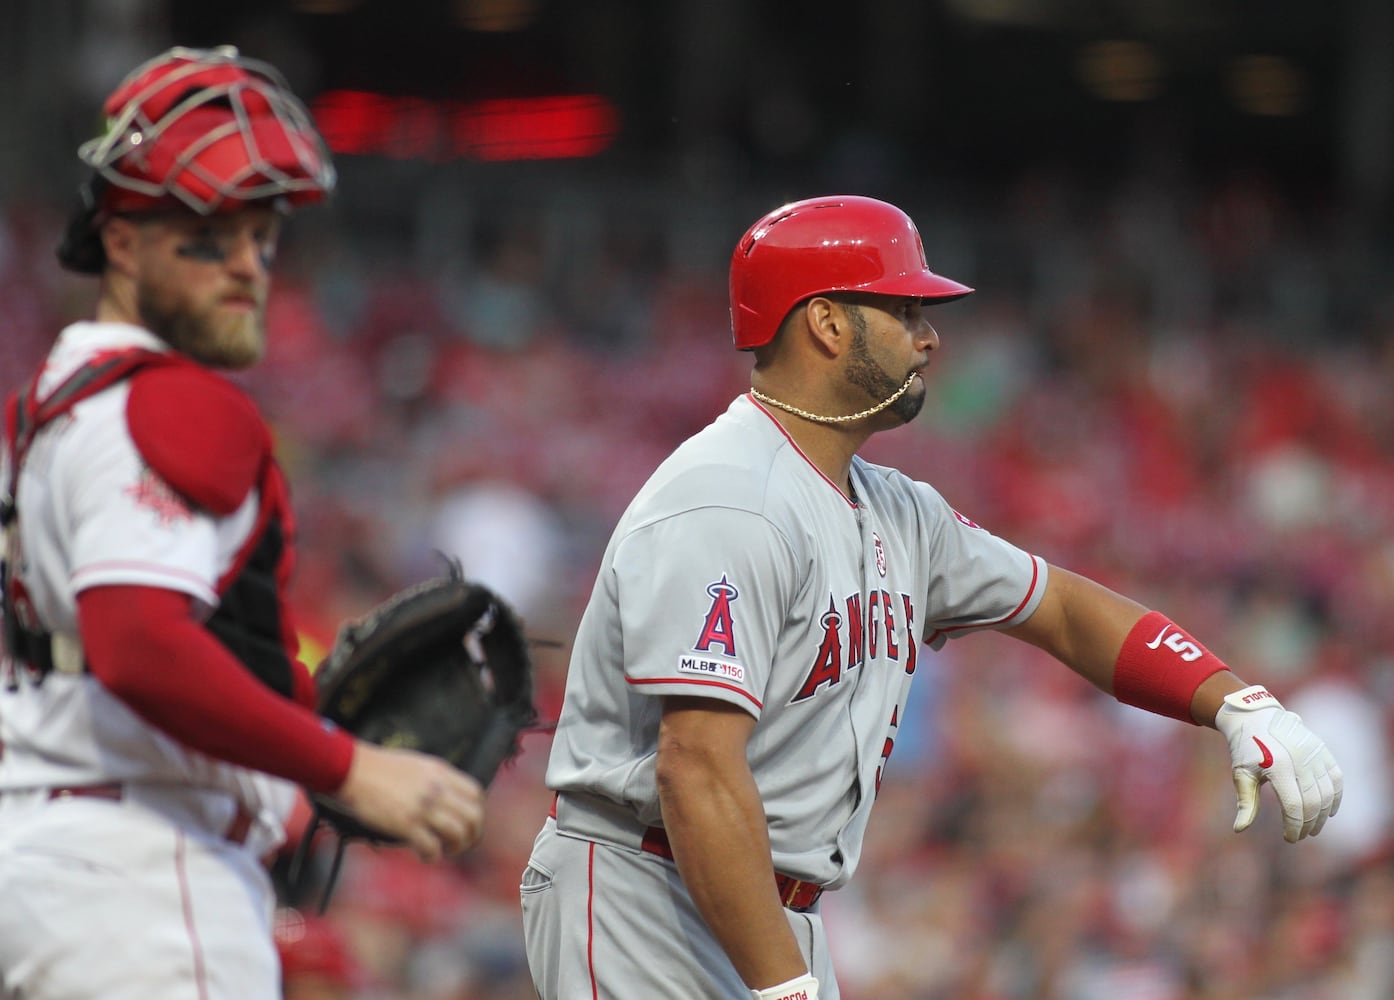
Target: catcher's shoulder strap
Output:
[(206, 439), (25, 415), (201, 433)]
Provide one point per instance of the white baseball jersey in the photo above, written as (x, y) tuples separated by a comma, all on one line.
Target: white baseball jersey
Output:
[(91, 514), (740, 572)]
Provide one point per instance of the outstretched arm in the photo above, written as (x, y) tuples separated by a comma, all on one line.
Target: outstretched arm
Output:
[(1085, 625), (1145, 659)]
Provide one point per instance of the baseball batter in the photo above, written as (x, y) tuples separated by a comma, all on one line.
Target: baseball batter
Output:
[(741, 671), (154, 718)]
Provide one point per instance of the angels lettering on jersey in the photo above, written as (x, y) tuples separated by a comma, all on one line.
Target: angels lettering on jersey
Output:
[(854, 631)]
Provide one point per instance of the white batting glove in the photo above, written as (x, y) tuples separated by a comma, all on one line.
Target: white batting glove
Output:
[(1269, 744), (803, 988)]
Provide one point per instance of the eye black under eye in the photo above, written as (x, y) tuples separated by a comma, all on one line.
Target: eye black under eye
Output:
[(202, 246)]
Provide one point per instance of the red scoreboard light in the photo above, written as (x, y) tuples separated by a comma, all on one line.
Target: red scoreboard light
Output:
[(356, 122)]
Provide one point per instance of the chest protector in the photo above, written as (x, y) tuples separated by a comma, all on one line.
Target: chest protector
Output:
[(205, 438)]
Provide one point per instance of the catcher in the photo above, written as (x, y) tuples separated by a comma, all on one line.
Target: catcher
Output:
[(154, 717)]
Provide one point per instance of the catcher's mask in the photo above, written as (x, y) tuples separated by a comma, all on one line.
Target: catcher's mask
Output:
[(840, 243), (205, 130)]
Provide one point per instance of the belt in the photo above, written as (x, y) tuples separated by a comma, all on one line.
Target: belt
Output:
[(236, 832), (795, 894)]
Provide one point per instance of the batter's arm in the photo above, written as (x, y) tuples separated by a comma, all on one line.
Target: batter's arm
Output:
[(715, 822), (1083, 624)]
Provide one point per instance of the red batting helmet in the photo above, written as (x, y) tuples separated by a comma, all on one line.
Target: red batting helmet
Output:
[(840, 243), (201, 129)]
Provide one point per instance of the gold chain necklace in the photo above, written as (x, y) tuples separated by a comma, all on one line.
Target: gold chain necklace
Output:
[(818, 418)]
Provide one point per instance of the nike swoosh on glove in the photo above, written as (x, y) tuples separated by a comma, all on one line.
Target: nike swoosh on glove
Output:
[(1267, 743)]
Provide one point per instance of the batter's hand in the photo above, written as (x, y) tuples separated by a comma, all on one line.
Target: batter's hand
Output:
[(1269, 744), (436, 809)]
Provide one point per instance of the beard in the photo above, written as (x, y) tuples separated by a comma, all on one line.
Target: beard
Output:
[(864, 372), (233, 341)]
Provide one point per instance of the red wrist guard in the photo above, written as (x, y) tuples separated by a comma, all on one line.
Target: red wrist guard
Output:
[(1160, 667)]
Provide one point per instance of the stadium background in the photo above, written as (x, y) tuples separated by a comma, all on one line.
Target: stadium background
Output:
[(1175, 376)]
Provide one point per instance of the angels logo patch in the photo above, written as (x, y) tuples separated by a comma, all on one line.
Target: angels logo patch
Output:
[(880, 554), (718, 630)]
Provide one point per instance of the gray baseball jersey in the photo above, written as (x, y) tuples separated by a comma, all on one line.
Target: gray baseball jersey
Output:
[(740, 572)]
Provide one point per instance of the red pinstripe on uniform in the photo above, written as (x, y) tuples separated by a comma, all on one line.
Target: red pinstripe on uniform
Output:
[(590, 920), (186, 898), (132, 566), (686, 680)]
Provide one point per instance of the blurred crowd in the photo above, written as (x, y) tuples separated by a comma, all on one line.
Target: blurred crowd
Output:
[(1182, 390)]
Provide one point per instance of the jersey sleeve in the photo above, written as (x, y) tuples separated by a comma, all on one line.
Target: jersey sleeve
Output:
[(701, 597), (126, 524), (977, 580)]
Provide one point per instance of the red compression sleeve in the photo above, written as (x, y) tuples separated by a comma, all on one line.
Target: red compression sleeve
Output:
[(144, 645), (1160, 667), (303, 682)]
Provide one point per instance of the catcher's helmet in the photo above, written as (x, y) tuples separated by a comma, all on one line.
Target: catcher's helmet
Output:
[(840, 243), (202, 129)]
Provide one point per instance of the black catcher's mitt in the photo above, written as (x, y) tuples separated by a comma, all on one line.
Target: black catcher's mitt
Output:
[(441, 667)]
